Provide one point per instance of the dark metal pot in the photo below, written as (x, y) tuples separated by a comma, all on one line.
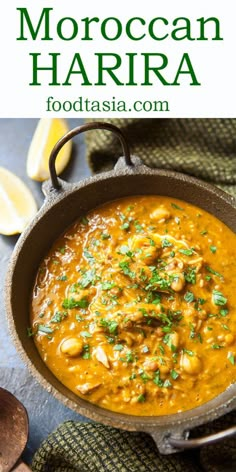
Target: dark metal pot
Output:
[(64, 203)]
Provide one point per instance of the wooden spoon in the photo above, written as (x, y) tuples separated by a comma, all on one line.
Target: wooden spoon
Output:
[(14, 429)]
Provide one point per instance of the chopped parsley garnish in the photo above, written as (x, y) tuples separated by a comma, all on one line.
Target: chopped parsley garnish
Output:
[(231, 358), (74, 287), (199, 337), (209, 269), (88, 256), (144, 376), (108, 285), (111, 325), (156, 300), (118, 347), (110, 340), (187, 252), (85, 334), (125, 226), (138, 227), (174, 374), (208, 278), (190, 275), (192, 331), (204, 232), (45, 329), (63, 278), (70, 303), (157, 380), (189, 297), (166, 243), (84, 220), (129, 357), (216, 346), (126, 269), (168, 341), (125, 251), (105, 236), (89, 277), (224, 312), (141, 398), (167, 383), (201, 301), (152, 243), (86, 354), (188, 352), (177, 207), (213, 249), (30, 332), (58, 316), (133, 376), (158, 282), (218, 298), (225, 327), (162, 350)]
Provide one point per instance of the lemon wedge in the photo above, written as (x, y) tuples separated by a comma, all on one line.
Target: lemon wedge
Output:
[(47, 133), (17, 204)]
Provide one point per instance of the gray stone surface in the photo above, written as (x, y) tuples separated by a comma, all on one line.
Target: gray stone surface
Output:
[(45, 412)]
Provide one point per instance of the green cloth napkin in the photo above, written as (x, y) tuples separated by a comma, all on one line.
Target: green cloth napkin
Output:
[(205, 148), (92, 447)]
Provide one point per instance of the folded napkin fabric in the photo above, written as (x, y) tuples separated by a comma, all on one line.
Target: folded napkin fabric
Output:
[(92, 447), (89, 447), (204, 148)]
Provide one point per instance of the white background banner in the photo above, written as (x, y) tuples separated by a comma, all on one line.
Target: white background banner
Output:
[(190, 77)]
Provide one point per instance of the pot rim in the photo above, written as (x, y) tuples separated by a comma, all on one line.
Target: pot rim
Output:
[(223, 403)]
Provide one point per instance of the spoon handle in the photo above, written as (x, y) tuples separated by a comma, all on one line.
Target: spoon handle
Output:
[(21, 467)]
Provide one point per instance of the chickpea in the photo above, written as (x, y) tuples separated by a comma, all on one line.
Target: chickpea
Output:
[(164, 369), (160, 213), (72, 347), (178, 282), (116, 291), (189, 311), (150, 365), (149, 253), (180, 265), (191, 364), (174, 339), (229, 339)]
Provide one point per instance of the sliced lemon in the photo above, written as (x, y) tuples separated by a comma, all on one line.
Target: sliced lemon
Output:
[(47, 133), (17, 204)]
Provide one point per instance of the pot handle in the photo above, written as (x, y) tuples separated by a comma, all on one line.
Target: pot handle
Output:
[(79, 130), (204, 441)]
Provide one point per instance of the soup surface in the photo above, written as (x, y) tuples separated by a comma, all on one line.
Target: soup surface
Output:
[(133, 308)]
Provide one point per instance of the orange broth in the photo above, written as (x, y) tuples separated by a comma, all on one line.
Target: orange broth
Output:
[(133, 308)]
